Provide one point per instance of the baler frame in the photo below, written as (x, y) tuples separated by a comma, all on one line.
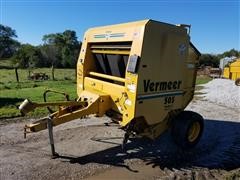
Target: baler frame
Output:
[(124, 69)]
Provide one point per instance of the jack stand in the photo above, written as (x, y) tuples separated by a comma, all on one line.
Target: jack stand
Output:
[(125, 139), (129, 131), (50, 132)]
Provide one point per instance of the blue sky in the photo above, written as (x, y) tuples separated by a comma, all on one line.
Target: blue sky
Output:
[(215, 23)]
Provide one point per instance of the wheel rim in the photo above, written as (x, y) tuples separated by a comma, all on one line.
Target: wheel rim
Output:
[(237, 82), (194, 131)]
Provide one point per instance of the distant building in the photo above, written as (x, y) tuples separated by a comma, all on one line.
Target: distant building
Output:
[(225, 61)]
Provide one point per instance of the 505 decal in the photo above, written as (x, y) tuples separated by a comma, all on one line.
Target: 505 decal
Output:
[(169, 100)]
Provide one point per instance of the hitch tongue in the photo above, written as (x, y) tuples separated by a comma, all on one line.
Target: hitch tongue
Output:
[(35, 126)]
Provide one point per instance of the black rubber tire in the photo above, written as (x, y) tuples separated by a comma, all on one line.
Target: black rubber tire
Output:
[(237, 82), (181, 125)]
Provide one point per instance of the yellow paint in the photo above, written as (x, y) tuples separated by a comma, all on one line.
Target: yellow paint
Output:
[(233, 71), (226, 72), (107, 77), (111, 52), (97, 104), (194, 131), (162, 85)]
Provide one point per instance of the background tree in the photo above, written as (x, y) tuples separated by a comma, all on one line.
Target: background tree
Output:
[(66, 48), (28, 56), (230, 53), (8, 45), (209, 60), (50, 54), (214, 59)]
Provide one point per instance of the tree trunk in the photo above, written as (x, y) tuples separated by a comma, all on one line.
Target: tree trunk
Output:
[(53, 78), (16, 72)]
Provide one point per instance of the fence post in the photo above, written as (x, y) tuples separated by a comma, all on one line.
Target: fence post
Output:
[(16, 72)]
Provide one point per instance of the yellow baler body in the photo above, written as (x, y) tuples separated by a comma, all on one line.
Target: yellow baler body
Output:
[(141, 74), (159, 74), (226, 73), (235, 69)]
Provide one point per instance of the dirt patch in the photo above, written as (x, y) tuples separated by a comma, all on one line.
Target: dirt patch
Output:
[(89, 149)]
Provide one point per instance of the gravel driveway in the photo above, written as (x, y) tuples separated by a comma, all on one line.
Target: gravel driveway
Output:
[(91, 150)]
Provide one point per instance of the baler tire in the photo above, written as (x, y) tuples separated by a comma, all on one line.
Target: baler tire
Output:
[(185, 123), (237, 82)]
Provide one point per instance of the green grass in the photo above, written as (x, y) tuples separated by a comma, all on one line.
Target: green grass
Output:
[(6, 63), (13, 93), (8, 77), (202, 79)]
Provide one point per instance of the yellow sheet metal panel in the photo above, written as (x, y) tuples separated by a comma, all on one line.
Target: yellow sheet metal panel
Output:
[(104, 87), (115, 33), (114, 78), (235, 75), (226, 73), (111, 51), (234, 68), (233, 71), (235, 63), (163, 71)]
